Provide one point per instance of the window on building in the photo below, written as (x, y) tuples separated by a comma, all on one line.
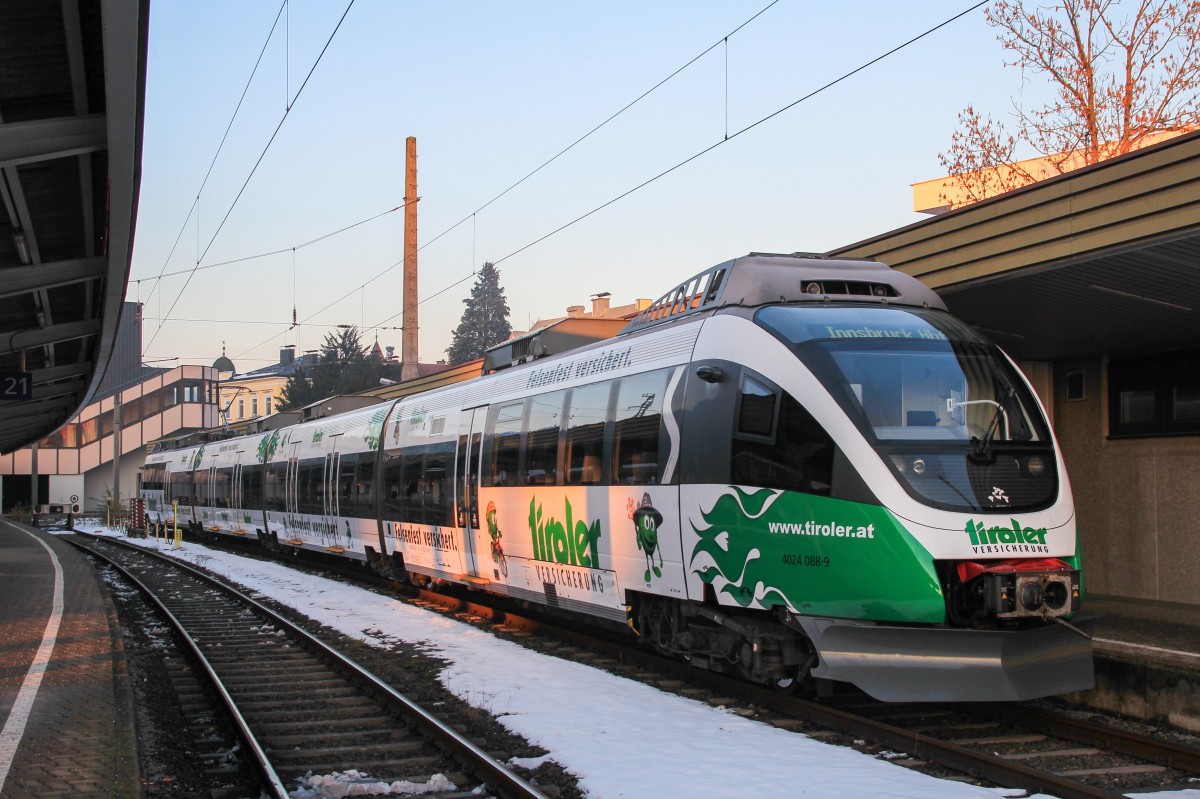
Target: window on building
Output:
[(254, 406), (269, 398), (1156, 395), (241, 409)]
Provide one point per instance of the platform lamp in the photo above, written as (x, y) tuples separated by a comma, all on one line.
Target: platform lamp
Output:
[(223, 364)]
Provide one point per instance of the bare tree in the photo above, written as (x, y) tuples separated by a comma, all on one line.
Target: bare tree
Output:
[(1122, 74)]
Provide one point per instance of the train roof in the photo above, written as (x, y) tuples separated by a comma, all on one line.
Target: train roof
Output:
[(764, 278)]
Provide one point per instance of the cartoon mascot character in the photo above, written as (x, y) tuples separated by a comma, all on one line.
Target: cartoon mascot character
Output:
[(496, 535), (645, 524)]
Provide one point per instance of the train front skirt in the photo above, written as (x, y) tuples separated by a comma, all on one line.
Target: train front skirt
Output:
[(910, 664)]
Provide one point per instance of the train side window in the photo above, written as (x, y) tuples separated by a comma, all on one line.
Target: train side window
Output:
[(587, 422), (345, 485), (410, 487), (436, 485), (200, 487), (797, 457), (638, 416), (364, 487), (758, 405), (309, 485), (181, 487), (392, 501), (541, 440), (274, 492), (503, 444), (252, 495), (222, 482)]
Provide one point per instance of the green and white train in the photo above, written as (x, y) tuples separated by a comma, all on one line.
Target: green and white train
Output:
[(787, 467)]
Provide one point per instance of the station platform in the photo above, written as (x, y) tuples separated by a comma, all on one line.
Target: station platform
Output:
[(65, 700), (1147, 658)]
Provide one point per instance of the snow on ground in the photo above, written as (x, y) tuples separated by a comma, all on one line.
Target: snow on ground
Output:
[(621, 738)]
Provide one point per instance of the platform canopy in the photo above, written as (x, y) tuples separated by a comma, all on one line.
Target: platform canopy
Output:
[(1102, 260), (72, 91)]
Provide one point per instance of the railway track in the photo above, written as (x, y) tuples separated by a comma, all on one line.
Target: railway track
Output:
[(1012, 745), (1017, 746), (300, 707)]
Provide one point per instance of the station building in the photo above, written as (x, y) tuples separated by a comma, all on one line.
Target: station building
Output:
[(1091, 281), (133, 406)]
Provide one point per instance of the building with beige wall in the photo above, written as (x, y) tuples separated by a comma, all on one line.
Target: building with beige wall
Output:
[(259, 393)]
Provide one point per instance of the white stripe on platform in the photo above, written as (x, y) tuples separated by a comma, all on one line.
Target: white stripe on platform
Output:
[(1159, 649), (14, 728)]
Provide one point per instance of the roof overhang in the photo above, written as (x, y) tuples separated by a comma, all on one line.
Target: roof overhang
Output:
[(72, 94), (1103, 260)]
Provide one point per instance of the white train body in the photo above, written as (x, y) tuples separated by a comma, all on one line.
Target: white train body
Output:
[(785, 467)]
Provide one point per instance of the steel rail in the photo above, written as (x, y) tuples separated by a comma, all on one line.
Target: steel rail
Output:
[(262, 763), (976, 764), (484, 766), (1167, 753)]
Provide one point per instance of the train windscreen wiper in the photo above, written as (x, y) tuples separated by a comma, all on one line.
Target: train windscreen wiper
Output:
[(981, 447)]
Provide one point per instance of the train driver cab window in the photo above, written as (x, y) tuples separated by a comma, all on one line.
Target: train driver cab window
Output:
[(541, 440), (757, 405), (587, 420), (503, 457), (637, 418), (777, 443)]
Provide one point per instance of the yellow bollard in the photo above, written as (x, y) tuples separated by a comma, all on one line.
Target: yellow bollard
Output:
[(178, 532)]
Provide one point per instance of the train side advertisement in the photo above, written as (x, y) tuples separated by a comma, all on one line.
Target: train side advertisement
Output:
[(586, 544)]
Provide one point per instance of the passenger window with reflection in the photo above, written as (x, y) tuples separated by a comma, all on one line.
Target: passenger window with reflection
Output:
[(637, 418), (541, 440), (587, 420)]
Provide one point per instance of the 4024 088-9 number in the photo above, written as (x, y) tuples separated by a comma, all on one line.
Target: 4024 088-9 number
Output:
[(793, 559)]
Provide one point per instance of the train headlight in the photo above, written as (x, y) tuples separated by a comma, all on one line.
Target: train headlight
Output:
[(899, 463), (813, 288), (918, 466), (1036, 466)]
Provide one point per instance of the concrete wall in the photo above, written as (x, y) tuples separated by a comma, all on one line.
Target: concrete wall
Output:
[(1136, 500), (97, 481)]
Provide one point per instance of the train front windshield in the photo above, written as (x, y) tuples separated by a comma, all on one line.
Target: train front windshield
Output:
[(941, 405)]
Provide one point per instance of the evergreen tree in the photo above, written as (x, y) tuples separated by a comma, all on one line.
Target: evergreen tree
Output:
[(485, 319), (346, 367)]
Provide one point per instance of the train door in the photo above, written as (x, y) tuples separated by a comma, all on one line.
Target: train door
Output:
[(330, 504), (209, 499), (291, 499), (238, 516), (466, 483)]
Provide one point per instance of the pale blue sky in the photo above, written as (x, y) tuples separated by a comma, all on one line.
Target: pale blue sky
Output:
[(491, 90)]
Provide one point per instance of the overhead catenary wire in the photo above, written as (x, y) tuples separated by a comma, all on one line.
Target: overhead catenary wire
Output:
[(472, 216), (610, 118), (728, 138), (249, 177), (269, 253), (196, 203)]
